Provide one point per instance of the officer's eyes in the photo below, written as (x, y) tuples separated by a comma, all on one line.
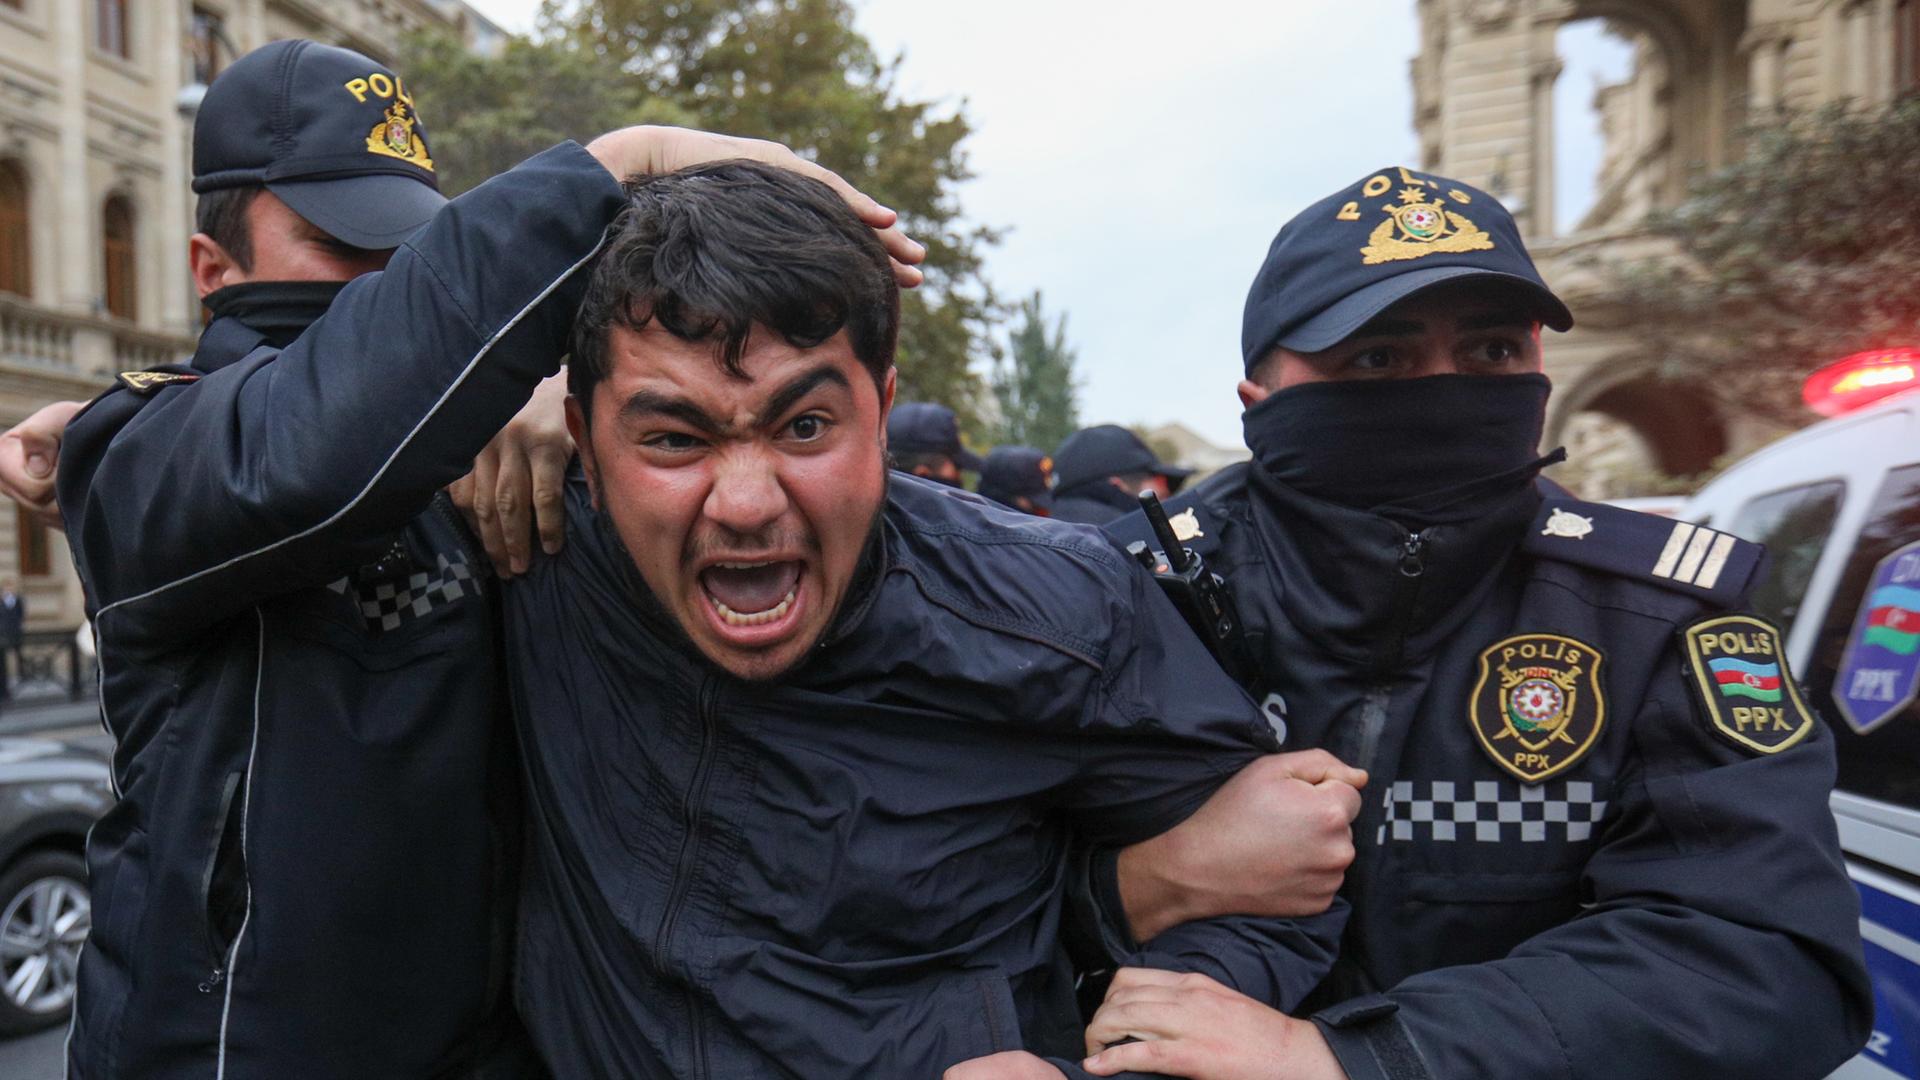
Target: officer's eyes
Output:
[(1369, 361), (1497, 352)]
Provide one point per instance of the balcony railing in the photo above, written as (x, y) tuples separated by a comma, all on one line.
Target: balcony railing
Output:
[(84, 346)]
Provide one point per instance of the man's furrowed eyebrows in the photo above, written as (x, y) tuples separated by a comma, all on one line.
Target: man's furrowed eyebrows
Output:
[(798, 387), (645, 403)]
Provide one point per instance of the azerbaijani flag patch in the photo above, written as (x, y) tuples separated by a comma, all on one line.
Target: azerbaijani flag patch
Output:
[(1739, 670), (1879, 673)]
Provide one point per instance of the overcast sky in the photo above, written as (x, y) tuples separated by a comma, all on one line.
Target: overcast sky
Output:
[(1141, 163)]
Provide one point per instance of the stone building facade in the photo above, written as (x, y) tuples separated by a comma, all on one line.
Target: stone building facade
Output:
[(1483, 83), (96, 98)]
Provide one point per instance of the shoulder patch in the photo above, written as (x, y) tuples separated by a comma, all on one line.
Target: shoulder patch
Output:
[(1879, 674), (146, 382), (1677, 555), (1537, 707), (1741, 679)]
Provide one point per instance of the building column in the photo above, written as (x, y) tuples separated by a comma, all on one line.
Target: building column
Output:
[(76, 237), (1540, 223), (174, 207)]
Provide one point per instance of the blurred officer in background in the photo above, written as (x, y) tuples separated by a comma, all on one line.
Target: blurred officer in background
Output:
[(1020, 477), (924, 439), (310, 869), (1596, 843), (1099, 473)]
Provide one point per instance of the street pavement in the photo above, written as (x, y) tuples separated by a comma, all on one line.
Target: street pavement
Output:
[(34, 1057), (40, 1056)]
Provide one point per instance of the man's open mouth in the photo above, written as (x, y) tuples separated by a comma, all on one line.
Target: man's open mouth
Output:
[(751, 593)]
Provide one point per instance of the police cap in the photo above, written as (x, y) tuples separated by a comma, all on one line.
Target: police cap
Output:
[(1096, 453), (1359, 251), (330, 132), (921, 427), (1013, 472)]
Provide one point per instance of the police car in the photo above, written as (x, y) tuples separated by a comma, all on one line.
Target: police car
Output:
[(1838, 506)]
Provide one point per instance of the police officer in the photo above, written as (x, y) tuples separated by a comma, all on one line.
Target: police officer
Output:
[(924, 439), (309, 870), (1100, 472), (1596, 842), (1020, 477)]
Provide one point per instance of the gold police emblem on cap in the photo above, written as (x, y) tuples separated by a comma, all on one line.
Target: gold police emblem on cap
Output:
[(1537, 708), (1741, 679), (1419, 225), (394, 136)]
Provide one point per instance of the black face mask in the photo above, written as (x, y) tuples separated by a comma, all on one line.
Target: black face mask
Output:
[(1419, 451), (281, 310)]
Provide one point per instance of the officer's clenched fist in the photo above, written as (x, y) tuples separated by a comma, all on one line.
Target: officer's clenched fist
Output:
[(1275, 840)]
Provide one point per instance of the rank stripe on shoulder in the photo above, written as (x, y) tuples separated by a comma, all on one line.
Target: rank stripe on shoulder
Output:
[(1694, 555)]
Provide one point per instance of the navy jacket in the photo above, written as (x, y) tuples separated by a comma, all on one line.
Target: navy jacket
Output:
[(859, 870), (305, 876), (1666, 905)]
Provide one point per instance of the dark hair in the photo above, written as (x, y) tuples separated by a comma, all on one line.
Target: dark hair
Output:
[(713, 251), (222, 215)]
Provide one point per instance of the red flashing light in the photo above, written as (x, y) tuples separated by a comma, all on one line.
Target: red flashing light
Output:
[(1861, 379)]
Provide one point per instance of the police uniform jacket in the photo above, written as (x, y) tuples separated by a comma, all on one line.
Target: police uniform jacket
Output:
[(304, 876), (1576, 859), (858, 870), (1094, 502)]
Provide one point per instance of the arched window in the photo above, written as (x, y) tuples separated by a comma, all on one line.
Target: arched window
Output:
[(116, 233), (16, 266), (110, 28)]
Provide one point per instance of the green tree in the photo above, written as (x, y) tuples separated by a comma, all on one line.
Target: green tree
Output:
[(1034, 386), (795, 71), (1805, 250)]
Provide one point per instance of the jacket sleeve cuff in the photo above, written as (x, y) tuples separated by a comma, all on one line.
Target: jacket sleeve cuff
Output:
[(1370, 1040)]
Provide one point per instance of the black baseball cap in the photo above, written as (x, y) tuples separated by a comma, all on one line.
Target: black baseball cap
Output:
[(330, 132), (1096, 453), (921, 427), (1359, 251), (1013, 472)]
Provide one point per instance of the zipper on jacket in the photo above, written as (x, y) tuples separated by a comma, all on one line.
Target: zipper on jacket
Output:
[(1410, 568), (689, 853), (443, 503)]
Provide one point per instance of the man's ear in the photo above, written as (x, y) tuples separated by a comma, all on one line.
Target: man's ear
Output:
[(583, 443), (886, 401), (1251, 393), (213, 268)]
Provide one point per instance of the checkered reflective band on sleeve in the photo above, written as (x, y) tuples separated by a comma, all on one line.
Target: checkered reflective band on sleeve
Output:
[(1491, 811)]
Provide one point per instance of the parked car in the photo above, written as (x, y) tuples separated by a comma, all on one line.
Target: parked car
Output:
[(51, 792), (1838, 506)]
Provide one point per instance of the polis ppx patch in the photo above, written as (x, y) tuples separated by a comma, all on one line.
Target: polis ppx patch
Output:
[(1537, 707), (1739, 670), (1879, 673)]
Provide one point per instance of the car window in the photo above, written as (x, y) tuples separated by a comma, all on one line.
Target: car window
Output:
[(1794, 524), (1864, 670)]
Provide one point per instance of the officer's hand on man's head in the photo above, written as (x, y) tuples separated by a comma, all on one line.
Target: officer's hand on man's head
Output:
[(1191, 1026), (517, 486), (1012, 1065), (29, 453), (647, 149), (1275, 841)]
